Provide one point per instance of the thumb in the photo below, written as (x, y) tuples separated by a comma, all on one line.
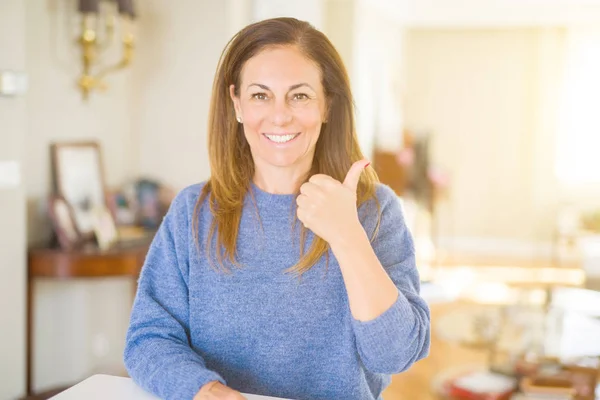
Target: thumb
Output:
[(353, 176)]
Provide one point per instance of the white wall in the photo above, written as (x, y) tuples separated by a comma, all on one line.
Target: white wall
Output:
[(176, 61), (377, 66), (487, 96), (13, 127), (307, 10), (339, 25), (488, 13)]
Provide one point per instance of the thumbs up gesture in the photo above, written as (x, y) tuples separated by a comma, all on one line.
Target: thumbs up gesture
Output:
[(328, 207)]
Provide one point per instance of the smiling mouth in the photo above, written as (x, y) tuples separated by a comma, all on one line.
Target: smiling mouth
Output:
[(281, 138)]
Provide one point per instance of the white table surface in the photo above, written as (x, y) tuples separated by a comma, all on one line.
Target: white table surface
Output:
[(102, 387)]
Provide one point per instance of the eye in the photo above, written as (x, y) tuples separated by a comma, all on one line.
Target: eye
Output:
[(300, 96), (259, 96)]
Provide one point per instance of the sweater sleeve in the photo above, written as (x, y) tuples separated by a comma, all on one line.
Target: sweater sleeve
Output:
[(400, 336), (158, 355)]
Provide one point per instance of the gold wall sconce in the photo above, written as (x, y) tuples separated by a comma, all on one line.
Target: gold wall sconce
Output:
[(99, 18)]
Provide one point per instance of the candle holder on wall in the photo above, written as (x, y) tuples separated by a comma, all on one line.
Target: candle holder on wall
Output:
[(102, 16)]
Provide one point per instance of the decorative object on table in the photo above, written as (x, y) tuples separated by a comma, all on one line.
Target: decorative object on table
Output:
[(63, 223), (104, 227), (551, 378), (148, 202), (153, 200), (557, 388), (98, 20), (122, 207), (79, 179), (585, 380), (479, 385)]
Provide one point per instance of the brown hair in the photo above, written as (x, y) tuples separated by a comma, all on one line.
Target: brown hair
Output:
[(231, 163)]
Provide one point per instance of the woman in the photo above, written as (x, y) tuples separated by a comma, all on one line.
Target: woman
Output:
[(290, 272)]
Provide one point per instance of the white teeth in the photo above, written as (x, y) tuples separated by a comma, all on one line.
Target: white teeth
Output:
[(281, 138)]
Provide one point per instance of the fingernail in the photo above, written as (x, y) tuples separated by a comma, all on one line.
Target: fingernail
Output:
[(369, 163)]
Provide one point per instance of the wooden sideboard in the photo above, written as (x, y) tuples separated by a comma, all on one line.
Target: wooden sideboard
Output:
[(124, 260)]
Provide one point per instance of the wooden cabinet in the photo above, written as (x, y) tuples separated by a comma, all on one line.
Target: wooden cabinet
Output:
[(45, 262)]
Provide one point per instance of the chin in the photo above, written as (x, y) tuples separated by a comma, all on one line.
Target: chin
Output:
[(282, 162)]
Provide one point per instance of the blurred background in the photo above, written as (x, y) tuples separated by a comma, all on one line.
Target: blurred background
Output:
[(482, 115)]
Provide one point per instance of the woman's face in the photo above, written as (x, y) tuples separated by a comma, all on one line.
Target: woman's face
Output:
[(282, 106)]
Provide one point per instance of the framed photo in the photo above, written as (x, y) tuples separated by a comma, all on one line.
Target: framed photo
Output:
[(79, 180), (63, 222)]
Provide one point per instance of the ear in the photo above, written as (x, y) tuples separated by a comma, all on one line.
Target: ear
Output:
[(236, 101)]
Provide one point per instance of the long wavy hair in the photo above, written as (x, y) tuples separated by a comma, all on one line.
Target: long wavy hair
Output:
[(231, 163)]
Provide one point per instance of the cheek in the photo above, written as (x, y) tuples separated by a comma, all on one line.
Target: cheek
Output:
[(254, 118), (309, 118)]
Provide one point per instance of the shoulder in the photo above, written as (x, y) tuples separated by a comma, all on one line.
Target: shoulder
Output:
[(385, 199), (188, 195), (385, 207), (385, 194), (184, 202)]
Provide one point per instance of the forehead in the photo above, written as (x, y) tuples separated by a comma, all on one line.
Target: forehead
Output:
[(281, 67)]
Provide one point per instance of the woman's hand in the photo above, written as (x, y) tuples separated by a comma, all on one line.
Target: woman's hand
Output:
[(215, 390), (328, 207)]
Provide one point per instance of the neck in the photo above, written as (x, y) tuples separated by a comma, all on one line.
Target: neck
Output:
[(280, 180)]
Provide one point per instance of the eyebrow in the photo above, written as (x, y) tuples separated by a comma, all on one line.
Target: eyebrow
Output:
[(296, 86)]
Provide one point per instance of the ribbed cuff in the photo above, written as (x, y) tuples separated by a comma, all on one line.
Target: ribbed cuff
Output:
[(377, 337), (192, 379)]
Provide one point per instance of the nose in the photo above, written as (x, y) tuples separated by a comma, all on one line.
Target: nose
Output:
[(282, 114)]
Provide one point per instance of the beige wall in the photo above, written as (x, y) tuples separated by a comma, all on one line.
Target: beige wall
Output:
[(13, 127), (486, 95)]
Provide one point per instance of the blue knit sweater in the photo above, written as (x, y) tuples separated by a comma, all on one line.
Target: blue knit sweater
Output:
[(260, 330)]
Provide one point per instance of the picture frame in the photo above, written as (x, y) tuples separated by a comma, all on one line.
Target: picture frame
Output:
[(63, 223), (79, 179)]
